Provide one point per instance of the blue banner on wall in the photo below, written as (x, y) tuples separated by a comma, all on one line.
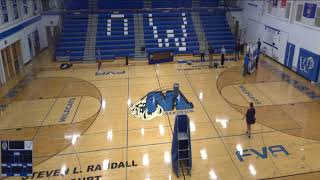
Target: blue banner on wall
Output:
[(309, 10), (308, 65), (288, 59)]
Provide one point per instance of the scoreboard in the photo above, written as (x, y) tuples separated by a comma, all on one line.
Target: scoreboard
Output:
[(16, 158)]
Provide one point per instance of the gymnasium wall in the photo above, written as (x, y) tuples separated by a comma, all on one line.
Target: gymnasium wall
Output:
[(21, 25), (24, 30), (256, 20)]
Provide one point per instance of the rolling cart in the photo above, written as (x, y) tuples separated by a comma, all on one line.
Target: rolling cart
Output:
[(181, 153)]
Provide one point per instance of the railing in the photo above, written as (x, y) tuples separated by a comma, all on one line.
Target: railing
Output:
[(57, 34), (143, 10)]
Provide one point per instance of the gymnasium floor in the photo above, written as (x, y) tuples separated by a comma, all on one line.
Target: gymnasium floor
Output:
[(82, 126)]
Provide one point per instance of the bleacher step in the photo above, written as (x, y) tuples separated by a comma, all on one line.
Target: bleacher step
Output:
[(90, 47), (139, 37), (203, 42)]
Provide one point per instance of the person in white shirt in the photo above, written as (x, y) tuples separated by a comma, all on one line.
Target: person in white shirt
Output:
[(223, 52), (248, 48)]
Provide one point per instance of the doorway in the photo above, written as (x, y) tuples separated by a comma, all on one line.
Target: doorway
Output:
[(12, 60)]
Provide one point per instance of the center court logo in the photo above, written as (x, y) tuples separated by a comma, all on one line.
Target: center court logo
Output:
[(157, 103)]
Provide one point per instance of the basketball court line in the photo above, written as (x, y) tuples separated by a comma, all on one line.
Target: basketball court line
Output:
[(167, 117), (291, 175), (74, 115), (39, 127), (171, 129), (241, 95), (265, 94), (205, 110), (157, 75), (301, 127), (153, 144), (127, 118)]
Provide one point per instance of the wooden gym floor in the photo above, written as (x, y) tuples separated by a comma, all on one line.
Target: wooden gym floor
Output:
[(82, 127)]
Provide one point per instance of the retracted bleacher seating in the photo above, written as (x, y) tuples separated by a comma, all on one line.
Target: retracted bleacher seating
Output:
[(208, 3), (76, 4), (167, 30), (115, 35), (217, 30), (119, 4), (171, 4), (73, 37), (164, 29)]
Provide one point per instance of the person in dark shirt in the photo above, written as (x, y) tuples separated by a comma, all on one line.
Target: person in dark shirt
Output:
[(259, 44), (210, 57), (257, 59), (223, 52), (202, 52), (250, 118), (237, 50), (242, 46)]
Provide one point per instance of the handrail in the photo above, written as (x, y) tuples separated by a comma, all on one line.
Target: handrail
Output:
[(60, 27)]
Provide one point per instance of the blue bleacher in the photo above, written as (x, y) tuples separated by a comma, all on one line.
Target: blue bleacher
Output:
[(166, 24), (76, 4), (174, 29), (73, 36), (119, 4), (114, 42), (171, 4), (217, 30), (209, 3)]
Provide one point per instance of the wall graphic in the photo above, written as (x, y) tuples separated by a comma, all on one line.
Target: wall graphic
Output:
[(309, 10), (288, 59), (308, 65)]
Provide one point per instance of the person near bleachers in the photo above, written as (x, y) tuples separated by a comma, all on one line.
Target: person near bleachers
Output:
[(242, 46), (210, 57), (259, 44), (223, 52), (257, 58), (202, 51), (98, 56), (247, 47), (245, 65), (237, 50), (99, 66)]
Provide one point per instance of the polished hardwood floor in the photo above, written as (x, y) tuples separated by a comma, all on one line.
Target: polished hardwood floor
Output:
[(82, 126)]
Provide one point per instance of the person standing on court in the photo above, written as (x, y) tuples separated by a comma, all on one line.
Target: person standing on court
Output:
[(202, 51), (223, 52), (245, 65), (242, 46), (237, 50), (250, 118), (98, 56), (210, 50), (257, 59)]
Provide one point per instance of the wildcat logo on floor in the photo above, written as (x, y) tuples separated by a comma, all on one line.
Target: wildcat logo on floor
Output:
[(157, 103)]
